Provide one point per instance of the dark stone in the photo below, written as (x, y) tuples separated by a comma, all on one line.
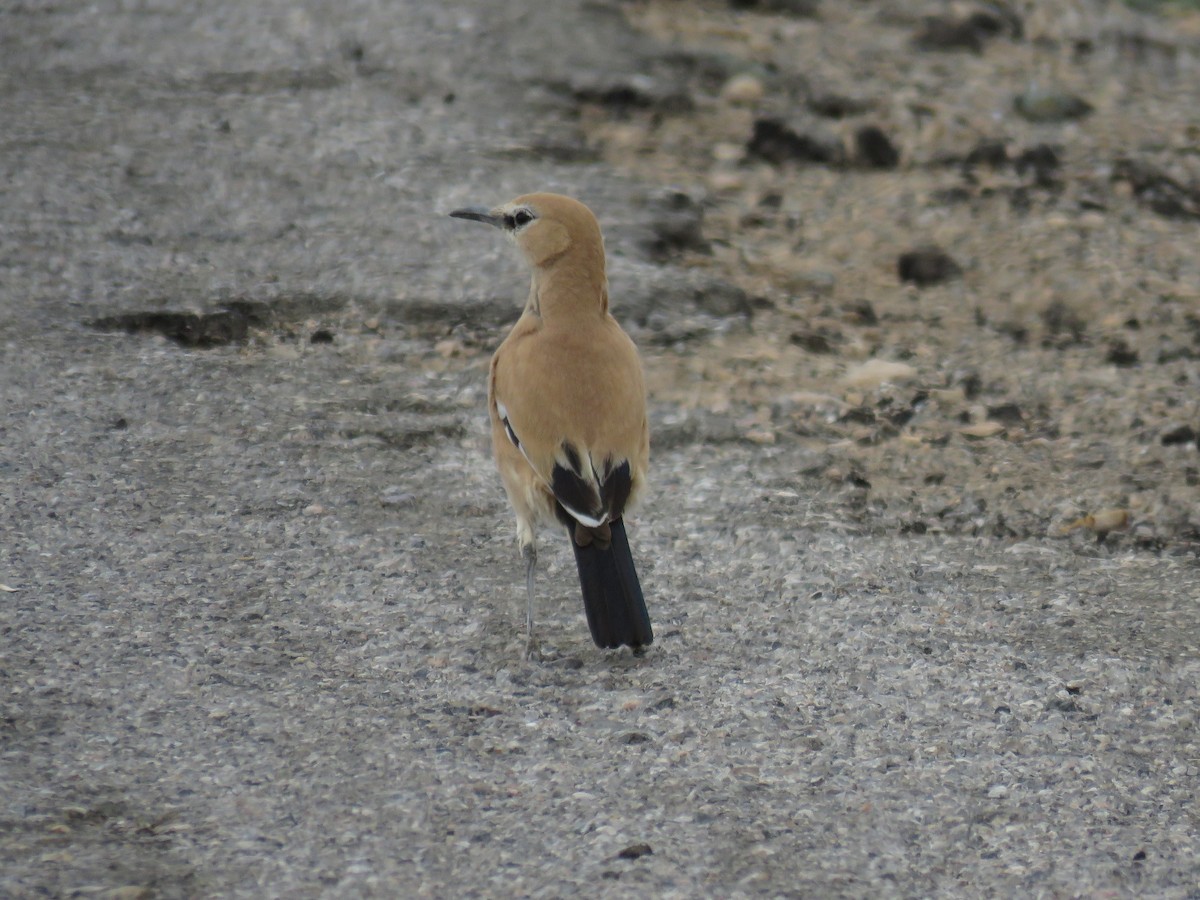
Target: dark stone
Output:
[(353, 50), (1065, 321), (817, 341), (636, 851), (1042, 160), (1019, 199), (997, 20), (970, 33), (777, 143), (1015, 330), (951, 196), (806, 9), (862, 312), (1173, 352), (837, 106), (1048, 105), (1006, 413), (1065, 705), (1180, 434), (875, 149), (636, 737), (721, 298), (1159, 191), (940, 33), (196, 330), (987, 152), (858, 480), (858, 415), (927, 265), (1121, 354), (971, 384), (321, 336), (675, 226), (631, 92)]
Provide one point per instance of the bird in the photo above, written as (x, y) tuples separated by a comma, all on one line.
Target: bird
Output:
[(567, 404)]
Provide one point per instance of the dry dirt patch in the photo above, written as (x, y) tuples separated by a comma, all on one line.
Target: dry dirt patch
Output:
[(1049, 360)]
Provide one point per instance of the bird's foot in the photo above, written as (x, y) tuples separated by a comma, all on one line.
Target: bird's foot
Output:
[(533, 650)]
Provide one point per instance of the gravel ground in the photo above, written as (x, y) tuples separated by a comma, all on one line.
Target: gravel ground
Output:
[(260, 626)]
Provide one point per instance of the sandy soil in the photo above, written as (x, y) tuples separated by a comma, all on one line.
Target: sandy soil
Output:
[(1057, 377)]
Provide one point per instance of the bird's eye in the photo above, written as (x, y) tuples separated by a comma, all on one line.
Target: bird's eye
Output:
[(522, 217)]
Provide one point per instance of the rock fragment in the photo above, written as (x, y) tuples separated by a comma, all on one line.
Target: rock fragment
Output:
[(774, 141), (1043, 105), (804, 9), (927, 265), (874, 149), (1121, 354), (1159, 191), (676, 225), (875, 372), (635, 851)]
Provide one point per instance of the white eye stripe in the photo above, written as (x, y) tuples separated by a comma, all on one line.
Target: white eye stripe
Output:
[(518, 218)]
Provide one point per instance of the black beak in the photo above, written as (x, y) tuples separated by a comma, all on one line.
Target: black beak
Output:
[(479, 214)]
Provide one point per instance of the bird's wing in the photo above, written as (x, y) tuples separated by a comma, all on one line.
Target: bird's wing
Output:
[(575, 409)]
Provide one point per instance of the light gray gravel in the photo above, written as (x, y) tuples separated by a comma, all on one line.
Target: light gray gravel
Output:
[(265, 638)]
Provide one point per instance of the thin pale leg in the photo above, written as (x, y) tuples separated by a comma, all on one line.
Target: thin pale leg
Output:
[(528, 544), (529, 552)]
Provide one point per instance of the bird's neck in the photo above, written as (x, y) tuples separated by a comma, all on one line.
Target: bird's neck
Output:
[(570, 287)]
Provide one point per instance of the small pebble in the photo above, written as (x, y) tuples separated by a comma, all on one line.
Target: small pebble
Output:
[(944, 33), (875, 372), (778, 143), (743, 90), (875, 149), (636, 851), (396, 497), (1180, 434), (1121, 354), (981, 430), (801, 8), (927, 265), (1043, 105)]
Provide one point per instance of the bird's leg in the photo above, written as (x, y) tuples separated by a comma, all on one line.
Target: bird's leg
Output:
[(529, 551)]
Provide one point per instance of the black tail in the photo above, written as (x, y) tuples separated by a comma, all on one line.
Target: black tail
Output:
[(612, 596)]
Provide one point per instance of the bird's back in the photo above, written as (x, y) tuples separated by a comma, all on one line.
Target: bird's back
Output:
[(581, 385)]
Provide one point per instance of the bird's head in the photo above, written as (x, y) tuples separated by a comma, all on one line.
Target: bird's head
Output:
[(547, 228)]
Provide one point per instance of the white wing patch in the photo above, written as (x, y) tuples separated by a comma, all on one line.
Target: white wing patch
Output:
[(582, 518), (502, 411)]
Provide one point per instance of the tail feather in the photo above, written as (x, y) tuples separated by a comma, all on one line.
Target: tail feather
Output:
[(612, 596)]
